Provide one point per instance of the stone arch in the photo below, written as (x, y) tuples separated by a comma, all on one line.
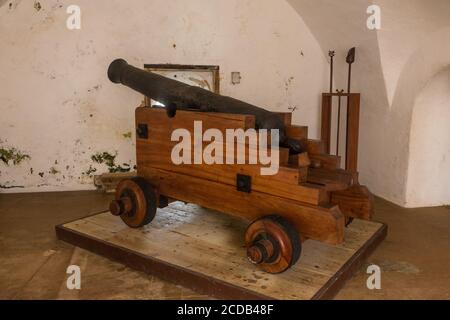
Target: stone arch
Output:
[(428, 60), (428, 181)]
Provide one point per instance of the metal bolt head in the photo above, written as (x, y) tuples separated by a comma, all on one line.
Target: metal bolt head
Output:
[(255, 255), (115, 207)]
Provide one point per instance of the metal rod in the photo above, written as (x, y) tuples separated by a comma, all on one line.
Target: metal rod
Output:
[(349, 78), (331, 54), (350, 60), (338, 121)]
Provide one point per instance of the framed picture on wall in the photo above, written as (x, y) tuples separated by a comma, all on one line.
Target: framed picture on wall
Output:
[(203, 76)]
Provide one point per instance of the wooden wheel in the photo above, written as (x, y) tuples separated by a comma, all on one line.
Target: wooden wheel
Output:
[(135, 202), (273, 244)]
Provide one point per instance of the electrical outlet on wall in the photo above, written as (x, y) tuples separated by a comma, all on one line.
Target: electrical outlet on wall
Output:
[(236, 77)]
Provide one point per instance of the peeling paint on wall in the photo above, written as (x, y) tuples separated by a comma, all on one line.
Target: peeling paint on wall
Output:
[(90, 171), (127, 135), (12, 155), (53, 171), (109, 160), (287, 83), (71, 110), (6, 186), (37, 5)]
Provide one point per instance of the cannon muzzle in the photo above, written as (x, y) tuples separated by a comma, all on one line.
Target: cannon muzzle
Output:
[(115, 70)]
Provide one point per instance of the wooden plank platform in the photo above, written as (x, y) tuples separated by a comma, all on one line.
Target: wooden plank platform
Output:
[(203, 250)]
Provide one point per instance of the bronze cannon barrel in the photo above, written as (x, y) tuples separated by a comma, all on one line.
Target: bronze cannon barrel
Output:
[(177, 95)]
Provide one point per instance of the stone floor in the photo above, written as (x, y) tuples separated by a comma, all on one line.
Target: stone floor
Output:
[(415, 257)]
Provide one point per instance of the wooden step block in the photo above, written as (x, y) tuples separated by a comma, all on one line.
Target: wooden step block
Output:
[(284, 183), (324, 224), (158, 154), (185, 119), (355, 202), (296, 132), (332, 179), (326, 161), (281, 184), (315, 146), (284, 156), (155, 152), (327, 198), (301, 160), (286, 117), (327, 185), (303, 175)]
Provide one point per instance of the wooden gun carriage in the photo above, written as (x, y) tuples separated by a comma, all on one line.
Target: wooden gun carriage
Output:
[(309, 198)]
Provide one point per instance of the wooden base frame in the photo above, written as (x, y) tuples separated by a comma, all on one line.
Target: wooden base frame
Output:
[(203, 250)]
